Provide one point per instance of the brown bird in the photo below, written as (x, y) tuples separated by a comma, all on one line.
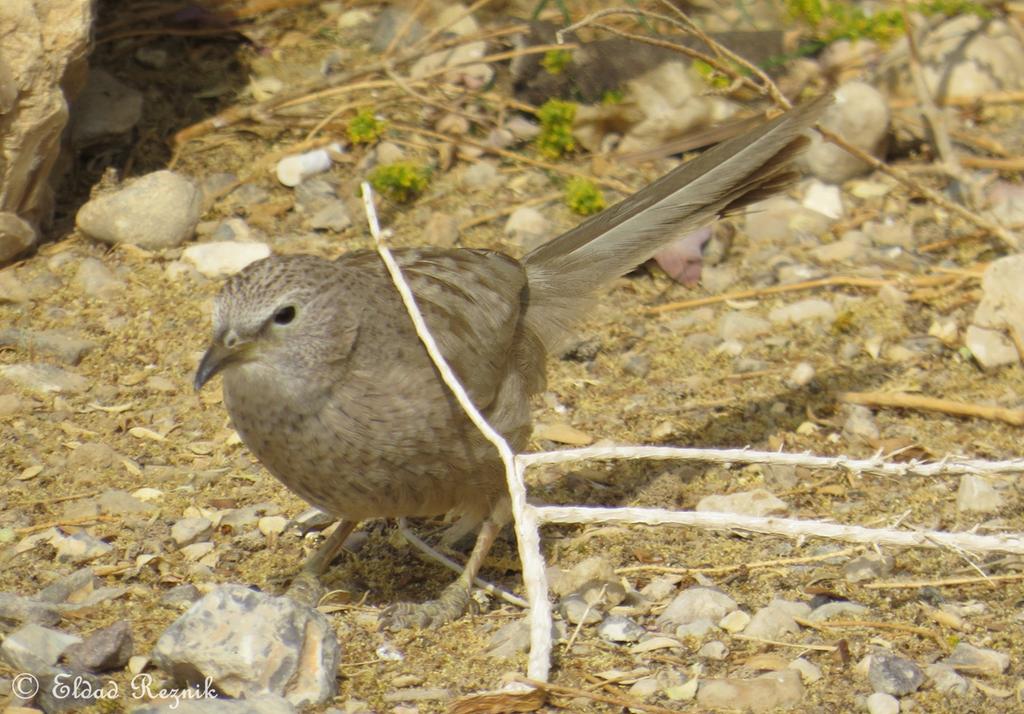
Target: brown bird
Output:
[(329, 386)]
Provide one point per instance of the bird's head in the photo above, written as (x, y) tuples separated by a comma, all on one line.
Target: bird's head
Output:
[(275, 312)]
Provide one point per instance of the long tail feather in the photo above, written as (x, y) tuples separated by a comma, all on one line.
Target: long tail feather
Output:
[(563, 273)]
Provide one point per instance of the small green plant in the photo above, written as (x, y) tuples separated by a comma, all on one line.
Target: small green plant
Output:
[(555, 61), (555, 138), (400, 181), (365, 127), (583, 197), (612, 97), (712, 76), (834, 20), (950, 8)]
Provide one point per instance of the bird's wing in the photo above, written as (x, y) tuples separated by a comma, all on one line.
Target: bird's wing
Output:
[(472, 301)]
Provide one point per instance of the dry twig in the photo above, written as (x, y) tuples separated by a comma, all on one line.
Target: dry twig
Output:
[(853, 281), (903, 400), (990, 580)]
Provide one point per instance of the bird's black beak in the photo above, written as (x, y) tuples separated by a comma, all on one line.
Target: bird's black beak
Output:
[(213, 361)]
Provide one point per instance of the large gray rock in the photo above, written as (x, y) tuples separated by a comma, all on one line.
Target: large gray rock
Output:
[(42, 65), (251, 644), (155, 211)]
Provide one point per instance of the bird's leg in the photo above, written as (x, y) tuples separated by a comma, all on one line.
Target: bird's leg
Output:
[(306, 587), (455, 598)]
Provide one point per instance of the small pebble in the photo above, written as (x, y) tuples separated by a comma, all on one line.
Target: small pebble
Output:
[(482, 175), (774, 690), (809, 672), (272, 525), (11, 289), (180, 596), (222, 258), (441, 230), (44, 378), (978, 494), (881, 703), (840, 609), (977, 660), (802, 374), (946, 679), (697, 629), (735, 621), (894, 675), (804, 311), (637, 365), (34, 648), (715, 650), (190, 530), (615, 628), (527, 228), (104, 650), (330, 217), (696, 603), (575, 609), (758, 502), (741, 327), (859, 426), (869, 566), (776, 619), (95, 279)]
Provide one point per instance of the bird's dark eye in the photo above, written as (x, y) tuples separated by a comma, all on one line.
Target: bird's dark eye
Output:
[(284, 315)]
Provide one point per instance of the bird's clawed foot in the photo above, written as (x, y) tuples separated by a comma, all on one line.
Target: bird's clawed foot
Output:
[(452, 604), (306, 588)]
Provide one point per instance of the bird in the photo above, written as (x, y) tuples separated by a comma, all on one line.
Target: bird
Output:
[(328, 385)]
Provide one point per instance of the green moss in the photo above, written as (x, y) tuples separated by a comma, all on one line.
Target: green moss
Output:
[(555, 138), (837, 20), (365, 127), (612, 96), (583, 197), (712, 76), (401, 181), (555, 61), (833, 20)]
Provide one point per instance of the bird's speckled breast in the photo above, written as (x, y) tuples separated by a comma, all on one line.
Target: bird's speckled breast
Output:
[(355, 465)]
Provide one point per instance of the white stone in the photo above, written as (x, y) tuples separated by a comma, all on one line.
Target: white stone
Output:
[(824, 198), (758, 502), (222, 258), (804, 311), (991, 348), (696, 603), (809, 672), (735, 621), (881, 703), (978, 494), (741, 326), (1001, 307), (802, 374)]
